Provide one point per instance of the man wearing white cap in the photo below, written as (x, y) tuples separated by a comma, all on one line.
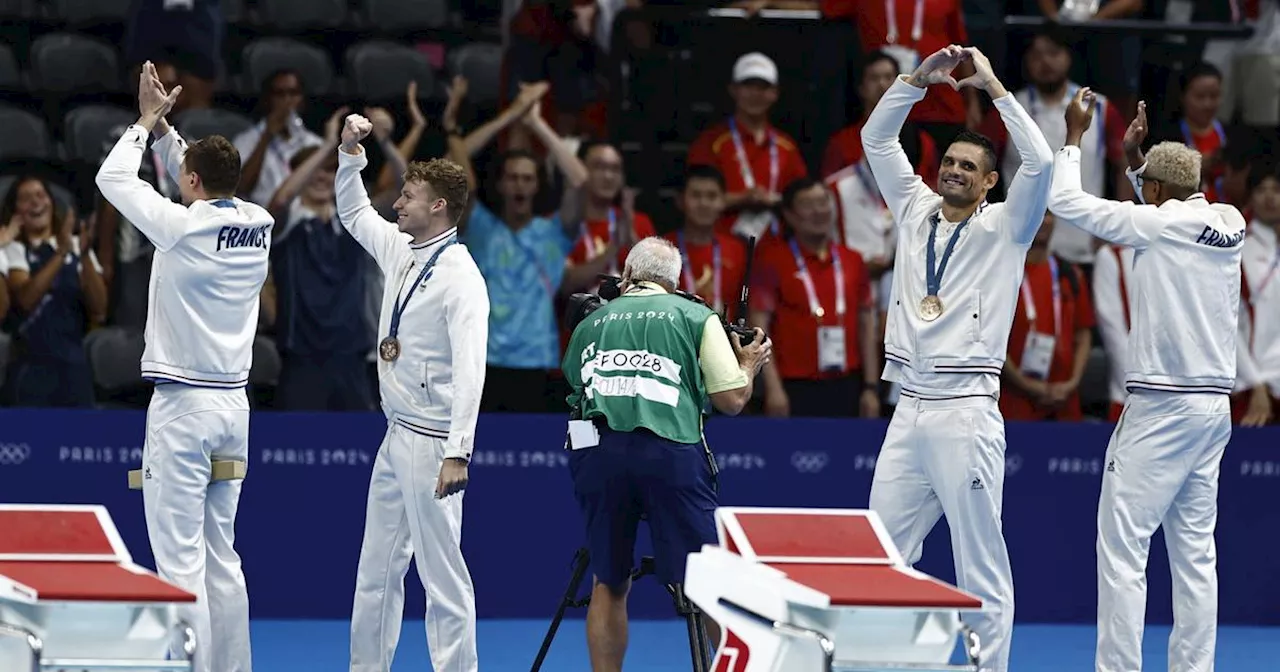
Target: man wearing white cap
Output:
[(757, 160)]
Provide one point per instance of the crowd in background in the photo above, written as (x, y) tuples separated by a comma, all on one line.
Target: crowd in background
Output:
[(559, 208)]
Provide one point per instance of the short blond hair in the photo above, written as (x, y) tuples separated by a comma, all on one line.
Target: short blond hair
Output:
[(447, 179), (1175, 164)]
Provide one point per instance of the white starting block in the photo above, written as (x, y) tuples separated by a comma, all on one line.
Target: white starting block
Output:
[(803, 590), (72, 600)]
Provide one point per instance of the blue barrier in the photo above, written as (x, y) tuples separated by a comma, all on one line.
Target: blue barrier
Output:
[(301, 515)]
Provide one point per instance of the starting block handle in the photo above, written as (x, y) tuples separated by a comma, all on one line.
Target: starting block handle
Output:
[(222, 470)]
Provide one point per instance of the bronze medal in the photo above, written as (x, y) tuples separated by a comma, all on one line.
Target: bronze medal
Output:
[(930, 308), (389, 349)]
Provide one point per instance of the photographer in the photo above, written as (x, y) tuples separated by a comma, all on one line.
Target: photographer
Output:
[(642, 368)]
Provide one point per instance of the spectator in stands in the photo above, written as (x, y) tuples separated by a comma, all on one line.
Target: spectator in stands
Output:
[(712, 262), (1047, 63), (864, 222), (320, 274), (1114, 61), (876, 73), (58, 294), (1112, 271), (814, 297), (913, 30), (563, 42), (266, 148), (389, 178), (184, 39), (522, 256), (1051, 337), (1250, 67), (1245, 147), (605, 234), (756, 159), (1258, 347), (1197, 123)]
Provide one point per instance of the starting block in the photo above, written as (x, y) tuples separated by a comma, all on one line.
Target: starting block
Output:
[(222, 470), (803, 590), (71, 598)]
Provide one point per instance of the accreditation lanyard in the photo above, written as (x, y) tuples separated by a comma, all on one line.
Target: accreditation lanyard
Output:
[(917, 22), (748, 175), (1191, 142), (1266, 280), (585, 234), (423, 276), (815, 306), (716, 265), (868, 180), (1030, 301)]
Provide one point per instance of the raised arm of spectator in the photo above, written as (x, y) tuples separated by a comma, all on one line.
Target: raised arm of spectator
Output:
[(575, 173), (529, 95), (393, 169), (93, 289), (298, 178)]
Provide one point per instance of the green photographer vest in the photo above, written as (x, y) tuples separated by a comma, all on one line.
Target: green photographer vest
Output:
[(634, 362)]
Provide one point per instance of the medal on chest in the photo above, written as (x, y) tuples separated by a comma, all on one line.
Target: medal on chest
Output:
[(389, 347), (931, 307)]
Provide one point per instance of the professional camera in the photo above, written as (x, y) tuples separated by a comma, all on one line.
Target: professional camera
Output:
[(582, 304)]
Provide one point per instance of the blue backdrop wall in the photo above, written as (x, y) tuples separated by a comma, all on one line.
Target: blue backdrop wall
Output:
[(301, 515)]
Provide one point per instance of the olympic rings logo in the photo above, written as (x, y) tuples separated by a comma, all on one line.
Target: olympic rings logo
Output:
[(809, 463), (12, 454)]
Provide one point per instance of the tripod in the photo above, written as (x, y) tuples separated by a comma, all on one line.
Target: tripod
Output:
[(699, 648)]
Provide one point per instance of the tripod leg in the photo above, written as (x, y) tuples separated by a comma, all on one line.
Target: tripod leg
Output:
[(693, 622), (581, 561)]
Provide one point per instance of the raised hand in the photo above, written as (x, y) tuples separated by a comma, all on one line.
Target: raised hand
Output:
[(1136, 134), (356, 128), (936, 69), (152, 98), (383, 122), (457, 94), (1079, 112), (416, 118)]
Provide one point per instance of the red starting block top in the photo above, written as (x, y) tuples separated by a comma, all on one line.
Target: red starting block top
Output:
[(877, 586), (92, 582), (52, 532), (821, 536)]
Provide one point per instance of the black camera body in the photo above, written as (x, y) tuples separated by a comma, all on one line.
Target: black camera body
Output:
[(582, 304)]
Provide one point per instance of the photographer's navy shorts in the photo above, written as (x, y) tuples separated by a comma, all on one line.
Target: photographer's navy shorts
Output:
[(634, 473)]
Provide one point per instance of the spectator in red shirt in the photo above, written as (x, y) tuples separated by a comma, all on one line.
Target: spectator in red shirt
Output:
[(912, 31), (814, 297), (601, 247), (844, 149), (1198, 126), (1050, 340), (712, 262), (757, 160)]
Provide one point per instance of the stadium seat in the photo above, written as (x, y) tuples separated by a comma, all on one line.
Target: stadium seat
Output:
[(197, 124), (10, 75), (264, 56), (90, 131), (398, 16), (82, 12), (381, 70), (68, 63), (265, 371), (25, 135), (299, 15), (115, 357), (17, 9), (481, 64)]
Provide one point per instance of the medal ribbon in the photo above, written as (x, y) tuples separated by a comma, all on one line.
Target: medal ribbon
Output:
[(423, 276), (1057, 299), (223, 203), (806, 279), (748, 175), (934, 270), (917, 22), (716, 265)]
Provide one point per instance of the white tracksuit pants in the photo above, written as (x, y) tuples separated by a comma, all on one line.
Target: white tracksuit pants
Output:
[(1161, 470), (404, 520), (191, 521), (946, 457)]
